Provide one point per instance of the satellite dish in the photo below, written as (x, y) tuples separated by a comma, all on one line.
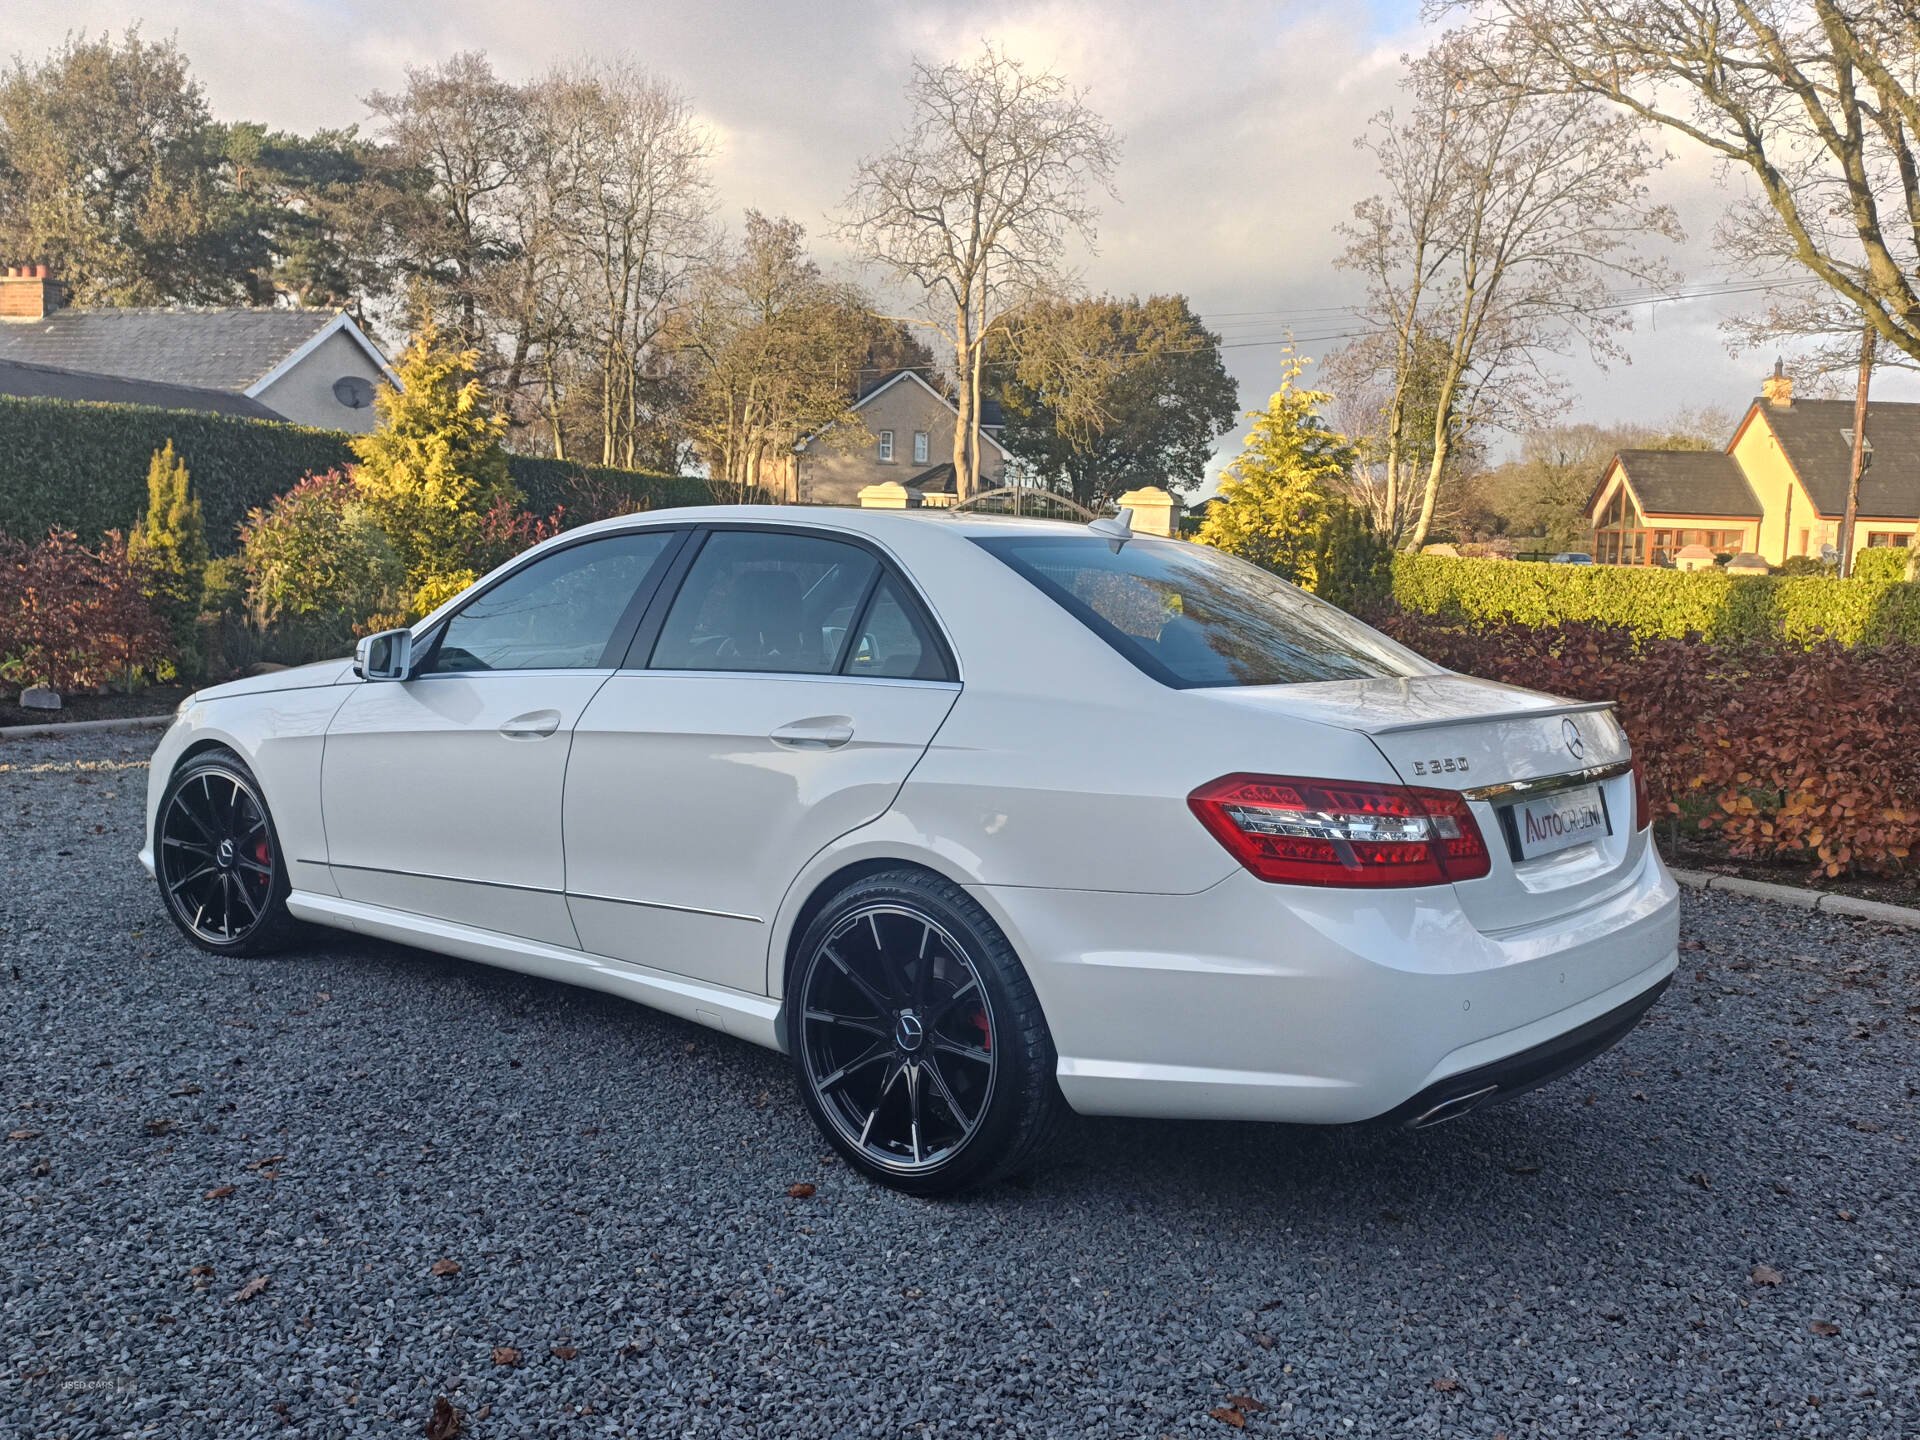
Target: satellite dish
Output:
[(353, 391)]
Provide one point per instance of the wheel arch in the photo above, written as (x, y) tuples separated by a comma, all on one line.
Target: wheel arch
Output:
[(869, 851)]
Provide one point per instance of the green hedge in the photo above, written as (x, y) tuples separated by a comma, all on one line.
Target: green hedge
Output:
[(84, 467), (1660, 603), (1887, 562)]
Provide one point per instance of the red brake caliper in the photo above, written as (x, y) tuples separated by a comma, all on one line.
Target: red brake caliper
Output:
[(986, 1035)]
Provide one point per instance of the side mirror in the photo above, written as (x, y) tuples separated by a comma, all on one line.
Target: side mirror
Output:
[(386, 656)]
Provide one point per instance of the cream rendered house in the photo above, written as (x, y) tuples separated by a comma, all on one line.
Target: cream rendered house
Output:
[(908, 439), (1778, 489)]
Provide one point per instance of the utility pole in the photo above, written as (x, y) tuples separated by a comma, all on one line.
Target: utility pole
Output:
[(1867, 337)]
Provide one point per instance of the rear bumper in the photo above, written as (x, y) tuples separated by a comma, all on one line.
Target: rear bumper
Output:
[(1261, 1002), (1524, 1070)]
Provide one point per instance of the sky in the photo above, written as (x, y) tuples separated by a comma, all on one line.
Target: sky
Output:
[(1237, 117)]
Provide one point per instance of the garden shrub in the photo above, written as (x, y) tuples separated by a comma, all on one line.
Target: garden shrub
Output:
[(1807, 753), (76, 618), (169, 545), (1881, 562), (318, 564), (1655, 603)]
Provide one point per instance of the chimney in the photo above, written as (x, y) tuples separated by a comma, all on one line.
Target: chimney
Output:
[(27, 292), (1777, 388)]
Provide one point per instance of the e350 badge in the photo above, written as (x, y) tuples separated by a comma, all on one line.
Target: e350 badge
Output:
[(1452, 765)]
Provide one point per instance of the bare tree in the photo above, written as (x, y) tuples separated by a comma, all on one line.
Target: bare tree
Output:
[(775, 350), (454, 143), (1817, 100), (974, 204), (635, 213), (1503, 220)]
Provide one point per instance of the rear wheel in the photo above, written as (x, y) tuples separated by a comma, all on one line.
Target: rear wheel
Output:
[(217, 858), (921, 1051)]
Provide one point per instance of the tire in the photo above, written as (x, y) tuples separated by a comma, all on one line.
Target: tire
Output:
[(217, 858), (905, 1004)]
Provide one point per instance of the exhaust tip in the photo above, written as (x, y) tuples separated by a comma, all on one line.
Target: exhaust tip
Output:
[(1451, 1109)]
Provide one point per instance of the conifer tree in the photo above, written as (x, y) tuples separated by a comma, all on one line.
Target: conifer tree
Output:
[(169, 548)]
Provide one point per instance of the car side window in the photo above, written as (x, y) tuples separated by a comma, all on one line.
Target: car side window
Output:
[(892, 642), (559, 613), (765, 601)]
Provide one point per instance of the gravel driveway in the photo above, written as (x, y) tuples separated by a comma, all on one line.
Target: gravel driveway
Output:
[(313, 1194)]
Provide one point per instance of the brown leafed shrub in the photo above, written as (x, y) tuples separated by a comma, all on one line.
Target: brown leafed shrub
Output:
[(75, 618), (1797, 754)]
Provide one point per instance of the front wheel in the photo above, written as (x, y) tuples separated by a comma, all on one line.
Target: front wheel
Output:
[(218, 861), (920, 1047)]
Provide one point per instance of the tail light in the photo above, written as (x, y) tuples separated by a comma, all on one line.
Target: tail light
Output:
[(1642, 798), (1329, 832)]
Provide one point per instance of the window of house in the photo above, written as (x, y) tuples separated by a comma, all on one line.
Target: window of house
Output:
[(919, 447), (886, 445), (1880, 539), (1805, 536)]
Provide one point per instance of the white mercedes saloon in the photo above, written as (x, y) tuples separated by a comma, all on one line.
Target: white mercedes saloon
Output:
[(977, 819)]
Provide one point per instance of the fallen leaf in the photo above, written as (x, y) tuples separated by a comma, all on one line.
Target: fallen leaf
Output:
[(1246, 1402), (159, 1127), (1446, 1382), (1638, 1095), (505, 1355), (1780, 1189), (206, 1270), (1824, 1327), (1764, 1275), (23, 1134), (483, 1411), (800, 1191), (1524, 1169), (564, 1352), (1867, 1127), (252, 1288), (446, 1267), (1265, 1342), (219, 1192), (262, 1164), (444, 1423), (1227, 1415), (1699, 1177), (42, 1167), (1844, 1214)]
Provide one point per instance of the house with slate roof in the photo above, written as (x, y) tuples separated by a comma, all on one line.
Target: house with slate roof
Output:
[(908, 438), (312, 367), (1778, 489)]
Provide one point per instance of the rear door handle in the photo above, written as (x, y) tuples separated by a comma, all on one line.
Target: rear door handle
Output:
[(821, 732), (532, 725)]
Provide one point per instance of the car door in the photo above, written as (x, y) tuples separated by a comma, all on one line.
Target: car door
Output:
[(788, 687), (441, 794)]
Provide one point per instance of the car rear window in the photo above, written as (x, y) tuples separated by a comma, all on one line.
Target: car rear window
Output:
[(1191, 616)]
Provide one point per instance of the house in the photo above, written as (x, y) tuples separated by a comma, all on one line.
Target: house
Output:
[(909, 440), (48, 382), (1778, 489), (312, 367)]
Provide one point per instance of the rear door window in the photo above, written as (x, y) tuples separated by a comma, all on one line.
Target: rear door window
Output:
[(768, 601), (1193, 617)]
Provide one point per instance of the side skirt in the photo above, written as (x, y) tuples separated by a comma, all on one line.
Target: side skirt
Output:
[(749, 1017)]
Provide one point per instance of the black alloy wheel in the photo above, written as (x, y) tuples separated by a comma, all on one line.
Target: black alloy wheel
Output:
[(218, 859), (919, 1043)]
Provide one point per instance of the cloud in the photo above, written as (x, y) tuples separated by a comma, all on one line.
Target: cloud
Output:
[(1238, 119)]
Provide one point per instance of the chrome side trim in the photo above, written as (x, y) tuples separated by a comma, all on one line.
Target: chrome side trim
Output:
[(663, 905), (429, 875), (1547, 784), (1543, 714)]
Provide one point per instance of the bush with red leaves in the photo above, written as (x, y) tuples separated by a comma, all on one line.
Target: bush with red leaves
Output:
[(1808, 754), (76, 619)]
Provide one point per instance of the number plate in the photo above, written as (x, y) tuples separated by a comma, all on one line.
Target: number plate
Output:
[(1557, 821)]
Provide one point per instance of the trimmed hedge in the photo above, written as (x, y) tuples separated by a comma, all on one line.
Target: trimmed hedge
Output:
[(83, 467), (1658, 604), (1885, 562)]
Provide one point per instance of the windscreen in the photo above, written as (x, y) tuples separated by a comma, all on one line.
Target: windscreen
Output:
[(1191, 616)]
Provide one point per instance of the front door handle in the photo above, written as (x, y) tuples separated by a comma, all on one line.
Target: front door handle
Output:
[(820, 732), (532, 725)]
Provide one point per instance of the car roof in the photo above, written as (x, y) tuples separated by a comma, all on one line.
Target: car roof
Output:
[(879, 524)]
